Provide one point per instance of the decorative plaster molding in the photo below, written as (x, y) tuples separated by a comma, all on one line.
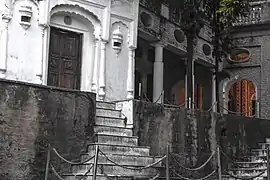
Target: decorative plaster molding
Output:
[(78, 10), (71, 8)]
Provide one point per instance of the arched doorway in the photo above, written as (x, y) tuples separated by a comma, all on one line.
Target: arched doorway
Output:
[(242, 98), (73, 47)]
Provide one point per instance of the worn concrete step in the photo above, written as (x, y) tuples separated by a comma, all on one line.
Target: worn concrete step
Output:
[(103, 177), (248, 170), (251, 164), (122, 159), (106, 105), (117, 140), (110, 121), (108, 112), (264, 145), (120, 149), (112, 169), (110, 130), (243, 175), (259, 152), (258, 158)]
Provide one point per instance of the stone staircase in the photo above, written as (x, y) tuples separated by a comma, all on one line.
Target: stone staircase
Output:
[(119, 144), (256, 164)]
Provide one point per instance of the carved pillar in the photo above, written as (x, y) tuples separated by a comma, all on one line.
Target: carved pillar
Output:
[(102, 71), (4, 45), (130, 75), (39, 62), (95, 71)]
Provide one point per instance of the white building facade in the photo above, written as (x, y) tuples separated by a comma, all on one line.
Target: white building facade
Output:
[(87, 45)]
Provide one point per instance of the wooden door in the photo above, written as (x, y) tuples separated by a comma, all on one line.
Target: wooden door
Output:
[(64, 67)]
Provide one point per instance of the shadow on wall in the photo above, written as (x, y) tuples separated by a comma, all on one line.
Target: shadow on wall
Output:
[(194, 135), (31, 117)]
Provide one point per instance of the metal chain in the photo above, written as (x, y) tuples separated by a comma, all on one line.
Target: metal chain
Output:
[(162, 92), (140, 168), (107, 176), (56, 174), (88, 171), (72, 163), (233, 162), (198, 168), (205, 177), (213, 105)]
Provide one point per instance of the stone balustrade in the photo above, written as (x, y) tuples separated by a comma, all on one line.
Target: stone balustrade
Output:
[(255, 16)]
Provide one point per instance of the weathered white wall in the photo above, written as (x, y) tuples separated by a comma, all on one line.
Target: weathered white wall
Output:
[(124, 14), (27, 49), (23, 46)]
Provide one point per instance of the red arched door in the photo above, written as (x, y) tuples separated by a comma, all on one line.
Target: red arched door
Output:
[(242, 98)]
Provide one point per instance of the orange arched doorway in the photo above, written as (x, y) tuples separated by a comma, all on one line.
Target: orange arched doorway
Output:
[(242, 98)]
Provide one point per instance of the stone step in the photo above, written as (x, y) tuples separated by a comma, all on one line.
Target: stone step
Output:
[(245, 175), (108, 112), (228, 177), (117, 140), (258, 158), (259, 152), (248, 170), (120, 149), (109, 121), (112, 169), (106, 105), (264, 145), (110, 130), (251, 164), (103, 177), (122, 159)]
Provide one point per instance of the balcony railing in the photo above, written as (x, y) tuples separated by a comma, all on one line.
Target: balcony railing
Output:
[(255, 16)]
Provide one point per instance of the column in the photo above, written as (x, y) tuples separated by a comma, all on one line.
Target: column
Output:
[(214, 98), (102, 70), (95, 71), (186, 94), (40, 59), (4, 45), (130, 75), (158, 74)]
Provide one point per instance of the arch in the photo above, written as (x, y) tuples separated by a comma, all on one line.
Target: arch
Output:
[(240, 96), (33, 1), (78, 10), (88, 25)]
